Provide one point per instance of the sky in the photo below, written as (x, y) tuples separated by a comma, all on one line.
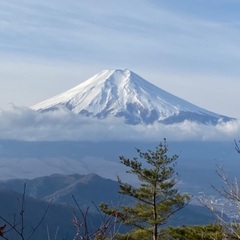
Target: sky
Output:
[(188, 48)]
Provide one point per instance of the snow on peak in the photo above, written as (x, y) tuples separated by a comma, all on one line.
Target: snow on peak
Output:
[(123, 93)]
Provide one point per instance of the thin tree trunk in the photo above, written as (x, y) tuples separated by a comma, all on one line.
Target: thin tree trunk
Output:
[(155, 227)]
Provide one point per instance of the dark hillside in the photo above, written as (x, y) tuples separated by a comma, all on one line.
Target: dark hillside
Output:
[(58, 216), (87, 189)]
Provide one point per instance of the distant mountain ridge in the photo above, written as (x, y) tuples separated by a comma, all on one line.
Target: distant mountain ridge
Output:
[(124, 94), (60, 188), (87, 189)]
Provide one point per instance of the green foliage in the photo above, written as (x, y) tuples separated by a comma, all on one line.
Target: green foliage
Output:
[(208, 232), (231, 230), (156, 199)]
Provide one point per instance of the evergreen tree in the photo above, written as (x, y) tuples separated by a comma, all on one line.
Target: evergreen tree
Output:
[(199, 232), (156, 199)]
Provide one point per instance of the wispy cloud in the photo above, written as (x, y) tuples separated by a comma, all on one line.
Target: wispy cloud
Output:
[(26, 124), (118, 32)]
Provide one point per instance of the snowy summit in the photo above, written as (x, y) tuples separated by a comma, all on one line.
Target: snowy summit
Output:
[(124, 94)]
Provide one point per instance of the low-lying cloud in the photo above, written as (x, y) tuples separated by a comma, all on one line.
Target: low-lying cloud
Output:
[(25, 124)]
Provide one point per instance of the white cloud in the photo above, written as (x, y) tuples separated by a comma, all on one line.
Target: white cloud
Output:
[(25, 124)]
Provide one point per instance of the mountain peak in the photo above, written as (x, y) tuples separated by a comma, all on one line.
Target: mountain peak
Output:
[(124, 94)]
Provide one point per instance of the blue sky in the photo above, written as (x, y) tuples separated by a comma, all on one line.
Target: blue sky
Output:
[(190, 48)]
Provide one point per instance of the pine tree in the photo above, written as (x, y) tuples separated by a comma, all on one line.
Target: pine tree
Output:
[(155, 200)]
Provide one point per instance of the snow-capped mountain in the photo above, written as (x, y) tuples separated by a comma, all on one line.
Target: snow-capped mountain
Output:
[(124, 94)]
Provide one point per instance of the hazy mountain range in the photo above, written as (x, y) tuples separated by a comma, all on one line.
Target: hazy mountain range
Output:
[(87, 189)]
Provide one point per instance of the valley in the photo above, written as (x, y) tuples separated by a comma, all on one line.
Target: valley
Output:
[(196, 165)]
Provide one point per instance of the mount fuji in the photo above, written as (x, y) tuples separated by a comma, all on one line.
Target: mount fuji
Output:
[(124, 94)]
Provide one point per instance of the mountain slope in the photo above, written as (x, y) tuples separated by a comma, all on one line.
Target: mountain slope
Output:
[(88, 189), (124, 94), (58, 217), (60, 188)]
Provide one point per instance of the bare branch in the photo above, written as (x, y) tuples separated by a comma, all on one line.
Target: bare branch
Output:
[(40, 221)]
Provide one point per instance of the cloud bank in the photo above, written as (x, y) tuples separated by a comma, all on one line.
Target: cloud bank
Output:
[(22, 123)]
